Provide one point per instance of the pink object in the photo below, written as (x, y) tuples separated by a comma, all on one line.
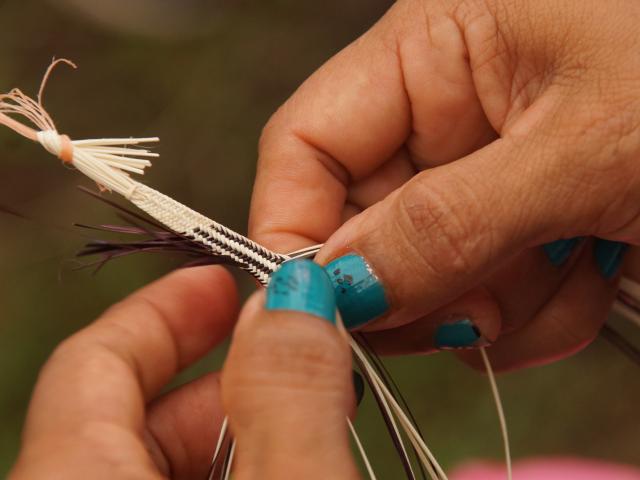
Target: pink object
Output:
[(545, 468)]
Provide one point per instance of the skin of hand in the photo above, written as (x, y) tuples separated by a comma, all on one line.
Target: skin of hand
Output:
[(439, 151), (98, 412)]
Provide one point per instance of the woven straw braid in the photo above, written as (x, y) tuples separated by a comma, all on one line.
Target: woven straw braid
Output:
[(245, 253)]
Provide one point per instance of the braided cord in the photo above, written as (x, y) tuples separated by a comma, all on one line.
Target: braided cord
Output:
[(218, 239)]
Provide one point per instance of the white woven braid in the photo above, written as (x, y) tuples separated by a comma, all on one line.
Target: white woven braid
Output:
[(248, 255), (108, 161)]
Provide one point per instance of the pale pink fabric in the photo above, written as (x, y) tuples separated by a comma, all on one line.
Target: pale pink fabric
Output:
[(548, 469)]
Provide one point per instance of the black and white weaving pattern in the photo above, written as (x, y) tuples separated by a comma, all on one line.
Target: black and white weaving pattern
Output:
[(243, 253), (220, 240)]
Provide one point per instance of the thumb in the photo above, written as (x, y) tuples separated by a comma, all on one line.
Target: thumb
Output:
[(441, 233), (287, 382)]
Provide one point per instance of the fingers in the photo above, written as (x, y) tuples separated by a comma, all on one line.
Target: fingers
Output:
[(473, 320), (385, 180), (526, 282), (406, 81), (448, 229), (181, 428), (105, 373), (287, 383), (341, 124), (565, 325), (554, 323)]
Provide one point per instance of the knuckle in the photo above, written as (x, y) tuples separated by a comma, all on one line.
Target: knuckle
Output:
[(74, 349), (90, 357), (438, 228), (68, 348), (265, 134), (105, 440), (484, 24), (271, 129), (603, 143)]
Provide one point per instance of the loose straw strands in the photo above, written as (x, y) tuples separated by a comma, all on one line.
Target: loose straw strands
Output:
[(628, 300), (228, 460), (363, 454), (621, 343), (223, 438), (500, 411), (105, 161), (387, 416), (17, 103), (627, 305), (427, 459)]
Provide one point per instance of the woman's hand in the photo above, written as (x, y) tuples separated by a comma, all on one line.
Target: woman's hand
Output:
[(287, 384), (97, 411), (458, 136)]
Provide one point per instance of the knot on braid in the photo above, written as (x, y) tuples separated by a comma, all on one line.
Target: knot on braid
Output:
[(56, 144)]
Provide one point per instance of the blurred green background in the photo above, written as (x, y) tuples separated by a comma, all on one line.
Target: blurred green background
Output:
[(205, 77)]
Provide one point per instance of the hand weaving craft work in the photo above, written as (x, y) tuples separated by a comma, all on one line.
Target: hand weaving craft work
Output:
[(175, 227)]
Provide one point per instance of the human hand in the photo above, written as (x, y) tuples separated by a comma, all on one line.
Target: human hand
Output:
[(96, 411), (287, 382), (458, 136)]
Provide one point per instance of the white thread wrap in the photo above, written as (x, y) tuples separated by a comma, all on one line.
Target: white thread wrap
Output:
[(51, 141), (106, 161)]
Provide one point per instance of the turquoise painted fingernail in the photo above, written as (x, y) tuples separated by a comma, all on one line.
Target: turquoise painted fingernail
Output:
[(358, 386), (459, 334), (609, 256), (302, 286), (559, 251), (359, 293)]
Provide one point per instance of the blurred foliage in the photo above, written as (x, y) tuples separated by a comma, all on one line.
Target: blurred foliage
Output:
[(205, 76)]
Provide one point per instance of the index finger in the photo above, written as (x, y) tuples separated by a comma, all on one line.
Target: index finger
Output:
[(107, 372), (344, 121), (405, 88)]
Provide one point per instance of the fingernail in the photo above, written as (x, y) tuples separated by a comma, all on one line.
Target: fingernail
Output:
[(609, 256), (358, 387), (359, 293), (302, 286), (459, 334), (559, 251)]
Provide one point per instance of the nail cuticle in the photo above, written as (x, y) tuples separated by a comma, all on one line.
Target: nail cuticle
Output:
[(360, 295), (302, 286), (481, 342), (459, 334)]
